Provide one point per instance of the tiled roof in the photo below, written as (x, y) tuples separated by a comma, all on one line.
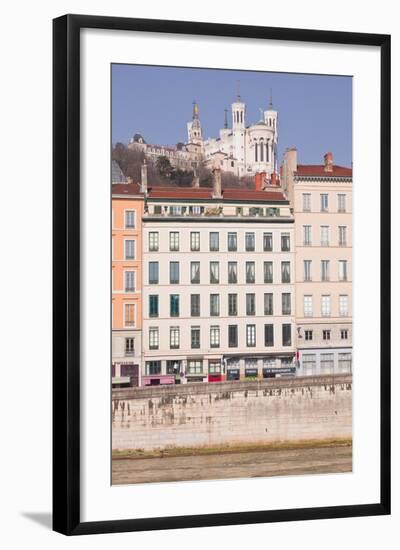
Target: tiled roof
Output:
[(228, 194), (125, 189), (318, 170)]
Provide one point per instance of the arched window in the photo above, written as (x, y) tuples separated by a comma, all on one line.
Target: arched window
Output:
[(267, 151), (256, 152), (262, 152)]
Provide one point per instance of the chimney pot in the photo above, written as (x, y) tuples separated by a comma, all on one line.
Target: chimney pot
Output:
[(143, 184), (328, 162), (217, 186)]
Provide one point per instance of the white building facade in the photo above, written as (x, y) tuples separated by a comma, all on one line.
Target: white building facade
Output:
[(240, 149), (218, 286)]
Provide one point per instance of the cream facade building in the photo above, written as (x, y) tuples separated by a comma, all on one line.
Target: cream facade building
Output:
[(218, 284), (321, 199)]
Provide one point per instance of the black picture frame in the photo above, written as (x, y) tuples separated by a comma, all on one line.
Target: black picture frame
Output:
[(66, 274)]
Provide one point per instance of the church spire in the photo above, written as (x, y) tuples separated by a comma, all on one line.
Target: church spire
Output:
[(270, 98), (226, 118)]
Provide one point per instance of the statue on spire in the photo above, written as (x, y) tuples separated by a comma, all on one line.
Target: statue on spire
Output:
[(195, 110), (270, 97)]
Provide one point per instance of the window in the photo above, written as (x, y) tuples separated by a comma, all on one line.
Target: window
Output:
[(342, 270), (129, 219), (344, 362), (250, 335), (157, 209), (195, 241), (308, 306), (268, 335), (232, 272), (232, 336), (174, 241), (153, 368), (268, 304), (307, 235), (344, 334), (286, 334), (195, 366), (250, 304), (129, 281), (325, 306), (129, 346), (195, 337), (267, 242), (173, 366), (250, 368), (268, 273), (285, 272), (175, 210), (308, 335), (306, 202), (153, 305), (214, 242), (343, 305), (153, 338), (327, 363), (324, 202), (195, 305), (250, 272), (324, 270), (129, 249), (214, 272), (153, 241), (286, 304), (341, 203), (285, 242), (232, 304), (129, 315), (214, 337), (195, 273), (232, 242), (214, 367), (326, 334), (250, 242), (153, 273), (174, 305), (307, 270), (174, 337), (214, 305), (174, 273), (309, 363), (342, 235), (324, 235)]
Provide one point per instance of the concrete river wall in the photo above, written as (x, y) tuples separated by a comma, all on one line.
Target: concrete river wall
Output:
[(233, 413)]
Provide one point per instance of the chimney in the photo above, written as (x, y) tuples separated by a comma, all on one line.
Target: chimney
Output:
[(217, 188), (328, 162), (143, 184), (259, 181), (196, 179), (273, 179)]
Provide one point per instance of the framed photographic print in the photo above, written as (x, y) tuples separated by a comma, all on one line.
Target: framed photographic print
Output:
[(221, 274)]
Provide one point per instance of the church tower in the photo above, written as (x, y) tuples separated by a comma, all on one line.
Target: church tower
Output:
[(238, 133), (195, 132), (271, 120)]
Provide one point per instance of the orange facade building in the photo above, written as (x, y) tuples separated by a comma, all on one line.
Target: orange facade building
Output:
[(127, 210)]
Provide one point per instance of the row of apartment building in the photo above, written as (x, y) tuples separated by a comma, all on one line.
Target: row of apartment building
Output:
[(211, 284)]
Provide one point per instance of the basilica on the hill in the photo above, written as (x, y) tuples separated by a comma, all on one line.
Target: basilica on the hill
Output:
[(241, 149)]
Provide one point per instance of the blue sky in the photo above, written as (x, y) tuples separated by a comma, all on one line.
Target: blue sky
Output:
[(315, 111)]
